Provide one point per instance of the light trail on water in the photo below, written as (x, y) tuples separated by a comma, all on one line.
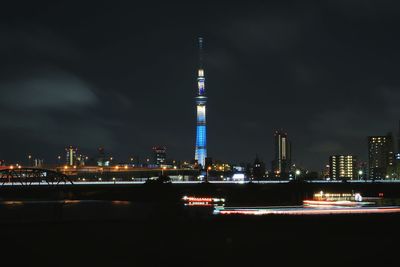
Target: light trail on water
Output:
[(306, 211)]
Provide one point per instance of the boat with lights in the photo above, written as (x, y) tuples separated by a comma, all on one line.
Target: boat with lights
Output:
[(336, 199), (203, 201)]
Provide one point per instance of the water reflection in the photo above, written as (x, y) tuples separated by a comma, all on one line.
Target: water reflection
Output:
[(11, 203), (120, 202), (66, 210)]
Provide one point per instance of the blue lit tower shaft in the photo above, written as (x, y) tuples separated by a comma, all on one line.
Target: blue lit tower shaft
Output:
[(201, 100)]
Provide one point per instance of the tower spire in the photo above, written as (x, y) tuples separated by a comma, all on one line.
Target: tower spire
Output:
[(201, 100), (201, 53)]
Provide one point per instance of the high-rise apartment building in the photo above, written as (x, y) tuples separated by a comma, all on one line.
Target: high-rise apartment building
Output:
[(342, 167), (380, 156)]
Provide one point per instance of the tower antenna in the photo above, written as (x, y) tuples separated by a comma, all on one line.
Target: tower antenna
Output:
[(201, 53)]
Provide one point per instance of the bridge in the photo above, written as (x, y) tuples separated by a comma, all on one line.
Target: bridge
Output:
[(28, 176)]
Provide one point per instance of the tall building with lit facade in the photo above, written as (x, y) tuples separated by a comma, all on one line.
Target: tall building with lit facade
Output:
[(282, 158), (380, 156), (343, 167), (201, 100), (71, 155), (159, 155)]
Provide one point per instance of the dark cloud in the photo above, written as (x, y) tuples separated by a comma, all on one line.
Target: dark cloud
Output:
[(123, 75), (53, 108), (47, 90)]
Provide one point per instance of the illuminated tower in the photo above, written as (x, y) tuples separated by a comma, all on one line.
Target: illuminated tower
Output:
[(282, 160), (71, 155), (201, 100)]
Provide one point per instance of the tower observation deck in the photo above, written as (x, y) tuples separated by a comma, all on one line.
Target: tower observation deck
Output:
[(201, 100)]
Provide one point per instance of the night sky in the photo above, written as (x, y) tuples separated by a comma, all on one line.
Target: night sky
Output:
[(123, 75)]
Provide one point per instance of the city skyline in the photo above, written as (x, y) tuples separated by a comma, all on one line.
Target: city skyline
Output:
[(331, 78), (200, 133)]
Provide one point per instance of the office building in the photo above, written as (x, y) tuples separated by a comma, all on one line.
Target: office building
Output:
[(159, 155)]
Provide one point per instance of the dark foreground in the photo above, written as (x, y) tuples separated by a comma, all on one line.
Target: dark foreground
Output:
[(148, 226), (190, 239)]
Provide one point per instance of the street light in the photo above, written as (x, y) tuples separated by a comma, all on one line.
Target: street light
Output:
[(296, 173), (360, 173), (208, 169)]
